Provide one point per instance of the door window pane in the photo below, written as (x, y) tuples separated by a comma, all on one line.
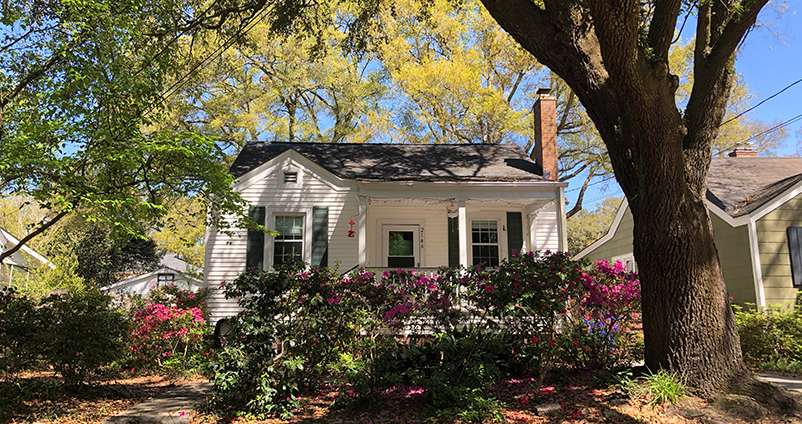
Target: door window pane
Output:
[(401, 243), (401, 249)]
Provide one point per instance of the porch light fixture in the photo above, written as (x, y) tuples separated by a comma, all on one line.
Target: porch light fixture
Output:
[(351, 231)]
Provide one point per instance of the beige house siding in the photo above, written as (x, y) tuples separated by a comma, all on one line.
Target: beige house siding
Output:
[(774, 256), (735, 258), (619, 244)]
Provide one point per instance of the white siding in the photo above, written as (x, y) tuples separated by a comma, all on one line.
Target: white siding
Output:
[(434, 221), (226, 255), (544, 232)]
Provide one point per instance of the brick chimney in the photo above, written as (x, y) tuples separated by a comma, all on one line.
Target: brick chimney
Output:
[(743, 152), (544, 153)]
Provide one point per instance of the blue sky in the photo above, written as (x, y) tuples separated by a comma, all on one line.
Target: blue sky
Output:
[(769, 60)]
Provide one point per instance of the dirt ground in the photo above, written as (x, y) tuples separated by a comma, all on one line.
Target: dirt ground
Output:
[(572, 399)]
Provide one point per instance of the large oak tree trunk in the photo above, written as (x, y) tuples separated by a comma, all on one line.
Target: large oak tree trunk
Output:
[(613, 55)]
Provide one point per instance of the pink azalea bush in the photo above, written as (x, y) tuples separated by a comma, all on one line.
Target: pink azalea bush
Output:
[(449, 334), (168, 331), (603, 329)]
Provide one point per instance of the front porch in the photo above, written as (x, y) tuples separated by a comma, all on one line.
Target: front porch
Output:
[(430, 232)]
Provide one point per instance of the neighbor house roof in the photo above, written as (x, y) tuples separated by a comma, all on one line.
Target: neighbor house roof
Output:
[(171, 260), (402, 162), (7, 241), (739, 186)]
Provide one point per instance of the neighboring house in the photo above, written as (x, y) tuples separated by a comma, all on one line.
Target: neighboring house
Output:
[(173, 271), (21, 261), (391, 205), (756, 206)]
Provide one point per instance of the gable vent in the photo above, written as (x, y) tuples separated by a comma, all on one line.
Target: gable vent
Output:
[(290, 177)]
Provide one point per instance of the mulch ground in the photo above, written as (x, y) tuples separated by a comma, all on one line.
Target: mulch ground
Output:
[(573, 398), (41, 397)]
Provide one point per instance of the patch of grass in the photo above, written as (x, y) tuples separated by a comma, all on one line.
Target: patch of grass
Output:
[(656, 388)]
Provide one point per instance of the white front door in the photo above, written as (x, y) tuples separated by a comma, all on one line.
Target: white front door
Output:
[(401, 246)]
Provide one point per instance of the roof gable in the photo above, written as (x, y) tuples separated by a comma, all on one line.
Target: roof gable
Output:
[(402, 162)]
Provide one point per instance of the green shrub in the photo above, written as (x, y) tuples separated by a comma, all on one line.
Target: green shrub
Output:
[(80, 333), (453, 372), (75, 333), (18, 327), (771, 335)]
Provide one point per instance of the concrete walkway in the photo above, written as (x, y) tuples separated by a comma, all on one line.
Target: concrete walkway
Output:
[(172, 407), (791, 383)]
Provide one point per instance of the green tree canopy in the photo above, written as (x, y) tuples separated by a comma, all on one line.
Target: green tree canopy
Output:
[(79, 83)]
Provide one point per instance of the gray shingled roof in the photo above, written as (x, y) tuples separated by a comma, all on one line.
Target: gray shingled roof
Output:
[(403, 162), (739, 186)]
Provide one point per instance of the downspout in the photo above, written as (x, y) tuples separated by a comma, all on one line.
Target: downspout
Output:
[(757, 269)]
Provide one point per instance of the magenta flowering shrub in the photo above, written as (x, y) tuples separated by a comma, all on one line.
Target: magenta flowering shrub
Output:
[(528, 295), (415, 302), (168, 331), (603, 329), (450, 333)]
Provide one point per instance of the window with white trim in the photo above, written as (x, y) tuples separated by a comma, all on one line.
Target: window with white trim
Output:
[(485, 242), (288, 245)]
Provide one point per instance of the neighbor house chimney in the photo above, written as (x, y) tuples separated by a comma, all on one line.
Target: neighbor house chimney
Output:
[(544, 153), (743, 152)]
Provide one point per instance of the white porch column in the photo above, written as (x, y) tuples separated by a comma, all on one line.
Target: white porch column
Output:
[(363, 237), (561, 222), (462, 220)]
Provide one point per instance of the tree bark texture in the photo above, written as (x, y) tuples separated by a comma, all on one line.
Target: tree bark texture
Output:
[(614, 56)]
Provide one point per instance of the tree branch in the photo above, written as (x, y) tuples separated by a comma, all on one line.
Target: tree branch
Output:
[(725, 45), (661, 30), (578, 205), (31, 235)]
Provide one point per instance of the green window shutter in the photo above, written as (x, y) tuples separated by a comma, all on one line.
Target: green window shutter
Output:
[(795, 249), (515, 232), (453, 242), (255, 256), (320, 236)]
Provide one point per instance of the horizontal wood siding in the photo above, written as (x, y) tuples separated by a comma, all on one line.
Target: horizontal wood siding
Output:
[(619, 244), (544, 231), (225, 255), (736, 260), (774, 257)]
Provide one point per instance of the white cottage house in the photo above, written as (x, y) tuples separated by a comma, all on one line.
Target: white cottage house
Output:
[(391, 205)]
